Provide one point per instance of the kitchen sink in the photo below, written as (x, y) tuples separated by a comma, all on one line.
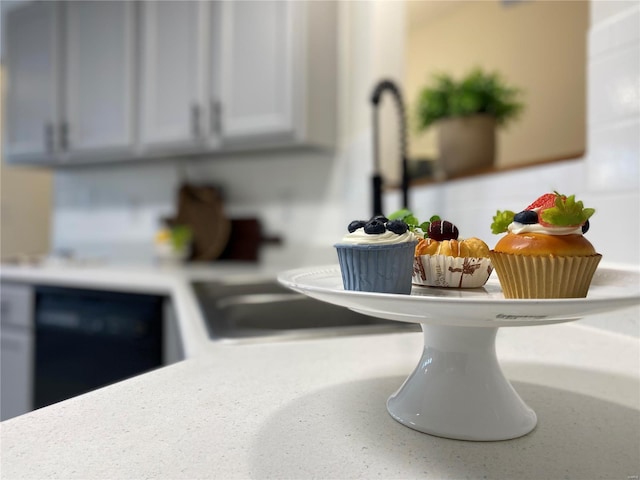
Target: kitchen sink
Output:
[(265, 310)]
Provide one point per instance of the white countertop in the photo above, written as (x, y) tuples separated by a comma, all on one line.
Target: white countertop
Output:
[(316, 409)]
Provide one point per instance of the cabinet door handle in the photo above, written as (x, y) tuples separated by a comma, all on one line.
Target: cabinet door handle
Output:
[(216, 117), (49, 137), (64, 136), (195, 120)]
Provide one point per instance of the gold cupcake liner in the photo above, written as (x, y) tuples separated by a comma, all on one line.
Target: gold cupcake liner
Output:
[(452, 272), (536, 276)]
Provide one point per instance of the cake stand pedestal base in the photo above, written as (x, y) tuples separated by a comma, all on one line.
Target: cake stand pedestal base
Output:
[(458, 390)]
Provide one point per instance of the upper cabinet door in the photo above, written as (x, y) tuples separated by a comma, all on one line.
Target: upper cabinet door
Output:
[(99, 81), (256, 84), (173, 97), (32, 81)]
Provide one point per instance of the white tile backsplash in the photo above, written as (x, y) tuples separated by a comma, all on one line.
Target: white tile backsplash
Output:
[(613, 103), (614, 86), (613, 156), (303, 197), (471, 204), (616, 31)]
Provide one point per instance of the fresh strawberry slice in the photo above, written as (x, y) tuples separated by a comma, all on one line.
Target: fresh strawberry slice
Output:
[(547, 200)]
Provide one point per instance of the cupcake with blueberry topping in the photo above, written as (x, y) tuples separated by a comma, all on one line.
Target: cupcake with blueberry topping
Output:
[(544, 253), (377, 256)]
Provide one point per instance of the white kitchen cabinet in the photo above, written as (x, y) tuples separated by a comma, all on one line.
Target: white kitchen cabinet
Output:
[(94, 81), (256, 68), (173, 98), (99, 84), (32, 82), (274, 67), (16, 349)]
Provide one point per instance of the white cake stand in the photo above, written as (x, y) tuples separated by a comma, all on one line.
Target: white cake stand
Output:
[(458, 390)]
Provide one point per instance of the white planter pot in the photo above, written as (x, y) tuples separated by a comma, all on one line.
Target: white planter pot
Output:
[(466, 144)]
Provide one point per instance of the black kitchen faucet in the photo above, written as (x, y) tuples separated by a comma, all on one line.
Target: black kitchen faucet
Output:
[(388, 85)]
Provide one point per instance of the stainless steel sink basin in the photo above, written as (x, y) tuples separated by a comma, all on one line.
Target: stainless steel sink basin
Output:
[(265, 310)]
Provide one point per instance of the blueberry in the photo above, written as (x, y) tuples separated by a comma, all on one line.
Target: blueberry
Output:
[(526, 217), (397, 226), (356, 224), (585, 227), (373, 227), (380, 218)]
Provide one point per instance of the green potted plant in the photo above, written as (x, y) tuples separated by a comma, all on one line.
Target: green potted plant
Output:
[(466, 114)]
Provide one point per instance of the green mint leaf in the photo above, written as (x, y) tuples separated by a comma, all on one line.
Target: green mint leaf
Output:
[(587, 212), (567, 212), (411, 221), (406, 216), (399, 214), (434, 218), (501, 221)]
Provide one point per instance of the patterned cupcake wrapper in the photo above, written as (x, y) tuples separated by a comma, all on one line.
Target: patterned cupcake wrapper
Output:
[(451, 272)]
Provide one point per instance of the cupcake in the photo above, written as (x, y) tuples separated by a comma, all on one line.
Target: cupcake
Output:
[(377, 256), (544, 253), (441, 260)]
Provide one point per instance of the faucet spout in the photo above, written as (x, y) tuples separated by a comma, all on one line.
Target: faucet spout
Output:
[(380, 88)]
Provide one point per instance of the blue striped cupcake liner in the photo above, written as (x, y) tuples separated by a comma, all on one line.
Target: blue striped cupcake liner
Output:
[(377, 268)]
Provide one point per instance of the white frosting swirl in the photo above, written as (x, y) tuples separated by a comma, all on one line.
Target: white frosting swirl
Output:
[(518, 228), (359, 237)]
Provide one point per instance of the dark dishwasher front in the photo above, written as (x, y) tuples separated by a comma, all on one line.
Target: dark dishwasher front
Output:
[(87, 339)]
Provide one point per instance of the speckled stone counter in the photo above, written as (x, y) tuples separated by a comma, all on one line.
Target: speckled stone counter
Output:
[(316, 409)]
